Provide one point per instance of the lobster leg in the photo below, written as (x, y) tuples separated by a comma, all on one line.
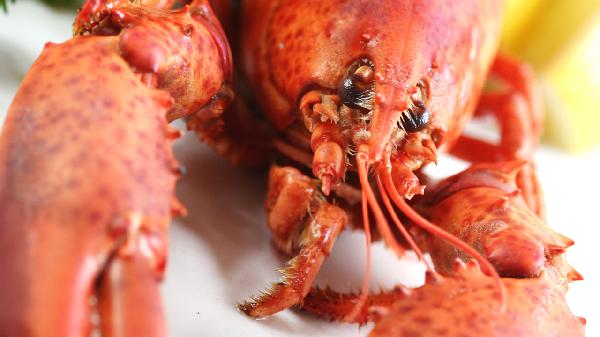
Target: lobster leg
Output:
[(518, 109), (340, 306), (291, 204)]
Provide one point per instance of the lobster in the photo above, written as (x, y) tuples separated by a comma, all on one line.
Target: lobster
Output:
[(361, 87), (385, 84)]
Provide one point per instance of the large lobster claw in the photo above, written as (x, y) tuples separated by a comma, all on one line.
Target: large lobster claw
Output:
[(87, 175)]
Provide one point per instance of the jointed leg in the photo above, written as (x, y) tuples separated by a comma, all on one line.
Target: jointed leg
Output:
[(293, 206), (339, 306), (518, 110), (232, 130)]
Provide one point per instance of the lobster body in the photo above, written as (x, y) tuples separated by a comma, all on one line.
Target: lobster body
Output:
[(290, 47), (87, 174), (383, 85)]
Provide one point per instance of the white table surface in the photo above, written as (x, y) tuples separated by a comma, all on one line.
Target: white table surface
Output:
[(221, 253)]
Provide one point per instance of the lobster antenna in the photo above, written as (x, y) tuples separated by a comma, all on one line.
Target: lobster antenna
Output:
[(364, 291), (441, 233), (369, 200), (383, 227), (399, 225)]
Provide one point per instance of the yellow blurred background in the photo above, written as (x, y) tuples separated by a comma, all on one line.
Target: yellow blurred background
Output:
[(561, 39)]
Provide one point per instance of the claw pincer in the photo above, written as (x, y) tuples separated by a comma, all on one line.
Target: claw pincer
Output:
[(88, 175)]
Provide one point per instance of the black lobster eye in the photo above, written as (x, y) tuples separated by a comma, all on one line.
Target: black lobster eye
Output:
[(415, 118), (357, 89)]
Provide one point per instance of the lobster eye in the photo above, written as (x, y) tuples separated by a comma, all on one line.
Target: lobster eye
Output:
[(357, 89), (415, 118)]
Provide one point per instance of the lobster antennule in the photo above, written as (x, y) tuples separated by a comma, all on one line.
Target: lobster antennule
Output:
[(388, 191), (384, 177), (381, 222), (369, 200)]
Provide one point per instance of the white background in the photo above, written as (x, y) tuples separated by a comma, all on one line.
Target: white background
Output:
[(221, 253)]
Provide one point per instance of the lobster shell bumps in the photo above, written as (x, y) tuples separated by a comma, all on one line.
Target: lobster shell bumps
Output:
[(484, 207), (56, 223), (290, 47), (459, 305), (87, 189)]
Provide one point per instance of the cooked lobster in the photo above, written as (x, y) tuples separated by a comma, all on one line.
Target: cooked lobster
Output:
[(361, 87), (359, 96)]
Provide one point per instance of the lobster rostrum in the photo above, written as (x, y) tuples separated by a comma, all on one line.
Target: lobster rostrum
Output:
[(87, 175)]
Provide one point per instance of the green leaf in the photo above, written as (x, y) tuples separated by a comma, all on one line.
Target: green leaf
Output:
[(52, 3), (4, 5), (62, 3)]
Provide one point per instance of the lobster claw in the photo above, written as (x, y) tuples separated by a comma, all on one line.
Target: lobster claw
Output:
[(430, 308), (87, 195), (458, 303), (483, 206), (66, 239)]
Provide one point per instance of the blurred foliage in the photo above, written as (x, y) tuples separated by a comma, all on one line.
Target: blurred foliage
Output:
[(52, 3), (63, 3), (4, 5)]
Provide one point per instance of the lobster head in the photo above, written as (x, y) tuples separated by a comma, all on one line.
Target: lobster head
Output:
[(381, 83), (408, 66)]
